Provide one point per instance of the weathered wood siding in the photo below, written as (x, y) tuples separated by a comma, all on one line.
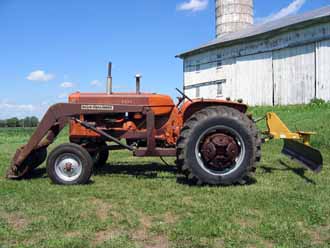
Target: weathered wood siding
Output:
[(294, 75), (290, 68), (253, 81), (323, 70)]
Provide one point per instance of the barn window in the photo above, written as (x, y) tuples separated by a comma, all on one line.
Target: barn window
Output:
[(219, 64), (219, 61), (198, 67), (198, 92), (219, 89)]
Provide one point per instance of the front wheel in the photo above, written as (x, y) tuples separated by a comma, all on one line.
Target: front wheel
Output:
[(69, 164), (218, 146)]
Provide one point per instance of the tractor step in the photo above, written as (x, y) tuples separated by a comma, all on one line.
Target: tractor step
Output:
[(308, 156)]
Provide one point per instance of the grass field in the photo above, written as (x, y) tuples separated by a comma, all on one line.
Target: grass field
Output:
[(140, 202)]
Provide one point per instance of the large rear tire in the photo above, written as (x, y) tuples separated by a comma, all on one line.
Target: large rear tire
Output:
[(218, 146), (69, 164)]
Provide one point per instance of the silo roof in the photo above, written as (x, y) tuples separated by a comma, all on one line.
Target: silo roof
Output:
[(256, 31)]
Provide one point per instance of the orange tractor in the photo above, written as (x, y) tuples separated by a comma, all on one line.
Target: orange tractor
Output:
[(215, 141)]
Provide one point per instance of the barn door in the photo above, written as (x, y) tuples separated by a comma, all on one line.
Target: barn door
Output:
[(294, 75), (254, 79), (322, 70)]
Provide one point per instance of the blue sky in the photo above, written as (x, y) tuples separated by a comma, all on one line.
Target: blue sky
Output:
[(51, 48)]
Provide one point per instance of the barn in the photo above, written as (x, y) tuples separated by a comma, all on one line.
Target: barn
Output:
[(281, 62)]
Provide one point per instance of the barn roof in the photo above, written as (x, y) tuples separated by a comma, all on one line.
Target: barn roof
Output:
[(264, 30)]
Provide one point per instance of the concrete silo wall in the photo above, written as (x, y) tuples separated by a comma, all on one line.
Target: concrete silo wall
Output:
[(233, 15)]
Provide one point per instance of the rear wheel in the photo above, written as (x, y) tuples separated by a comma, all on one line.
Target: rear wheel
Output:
[(218, 146), (69, 164)]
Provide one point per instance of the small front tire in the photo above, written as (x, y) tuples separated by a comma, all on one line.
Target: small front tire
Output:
[(69, 164)]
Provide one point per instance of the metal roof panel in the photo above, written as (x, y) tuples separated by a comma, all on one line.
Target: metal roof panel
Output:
[(263, 28)]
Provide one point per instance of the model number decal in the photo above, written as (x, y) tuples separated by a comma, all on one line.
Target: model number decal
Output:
[(97, 107)]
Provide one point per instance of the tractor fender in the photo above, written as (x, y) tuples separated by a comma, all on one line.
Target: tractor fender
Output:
[(191, 107)]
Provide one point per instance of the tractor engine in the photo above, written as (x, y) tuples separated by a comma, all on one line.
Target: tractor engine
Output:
[(167, 118)]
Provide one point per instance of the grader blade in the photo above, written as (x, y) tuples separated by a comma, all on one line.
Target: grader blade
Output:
[(308, 156), (296, 144)]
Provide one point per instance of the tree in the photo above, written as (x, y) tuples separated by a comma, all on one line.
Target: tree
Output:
[(27, 122), (3, 123), (21, 122), (12, 122), (34, 121)]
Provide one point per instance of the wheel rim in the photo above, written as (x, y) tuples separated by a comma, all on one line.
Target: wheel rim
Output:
[(68, 167), (220, 150)]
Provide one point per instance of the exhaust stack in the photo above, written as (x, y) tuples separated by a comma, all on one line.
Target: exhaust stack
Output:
[(138, 83), (109, 79)]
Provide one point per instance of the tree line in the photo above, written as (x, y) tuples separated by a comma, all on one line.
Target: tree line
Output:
[(16, 122)]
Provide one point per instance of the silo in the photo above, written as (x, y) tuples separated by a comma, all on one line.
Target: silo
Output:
[(233, 15)]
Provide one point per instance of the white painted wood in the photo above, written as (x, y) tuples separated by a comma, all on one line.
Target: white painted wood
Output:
[(208, 73), (323, 70), (294, 75), (303, 36), (254, 79), (247, 68)]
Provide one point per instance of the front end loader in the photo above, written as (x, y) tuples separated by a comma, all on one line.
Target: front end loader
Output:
[(215, 141)]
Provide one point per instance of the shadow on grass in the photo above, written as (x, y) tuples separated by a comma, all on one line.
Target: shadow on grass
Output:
[(143, 171), (148, 171), (191, 183), (298, 171), (36, 173)]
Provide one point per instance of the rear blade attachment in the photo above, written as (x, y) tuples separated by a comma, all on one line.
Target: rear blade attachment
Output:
[(308, 156)]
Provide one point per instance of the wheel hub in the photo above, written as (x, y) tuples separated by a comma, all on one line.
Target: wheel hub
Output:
[(68, 167), (219, 151)]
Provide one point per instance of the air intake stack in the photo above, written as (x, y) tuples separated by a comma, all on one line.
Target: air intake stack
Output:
[(233, 15)]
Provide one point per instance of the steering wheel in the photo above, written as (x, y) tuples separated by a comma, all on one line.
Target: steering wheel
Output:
[(184, 95)]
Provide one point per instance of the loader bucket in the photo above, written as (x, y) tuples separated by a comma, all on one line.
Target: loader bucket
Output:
[(34, 153), (308, 156), (33, 161)]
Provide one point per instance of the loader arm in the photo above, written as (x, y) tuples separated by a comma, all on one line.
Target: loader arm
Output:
[(296, 144), (50, 126)]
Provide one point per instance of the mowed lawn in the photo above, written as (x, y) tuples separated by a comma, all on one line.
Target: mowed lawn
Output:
[(135, 202)]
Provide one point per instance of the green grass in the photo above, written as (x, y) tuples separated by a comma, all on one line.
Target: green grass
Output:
[(140, 203)]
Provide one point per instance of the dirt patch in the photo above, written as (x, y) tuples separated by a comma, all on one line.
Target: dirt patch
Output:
[(319, 235), (267, 244), (157, 242), (187, 200), (170, 218), (72, 234), (247, 222), (142, 233), (262, 242), (102, 208), (219, 243), (15, 220), (145, 239), (103, 236)]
